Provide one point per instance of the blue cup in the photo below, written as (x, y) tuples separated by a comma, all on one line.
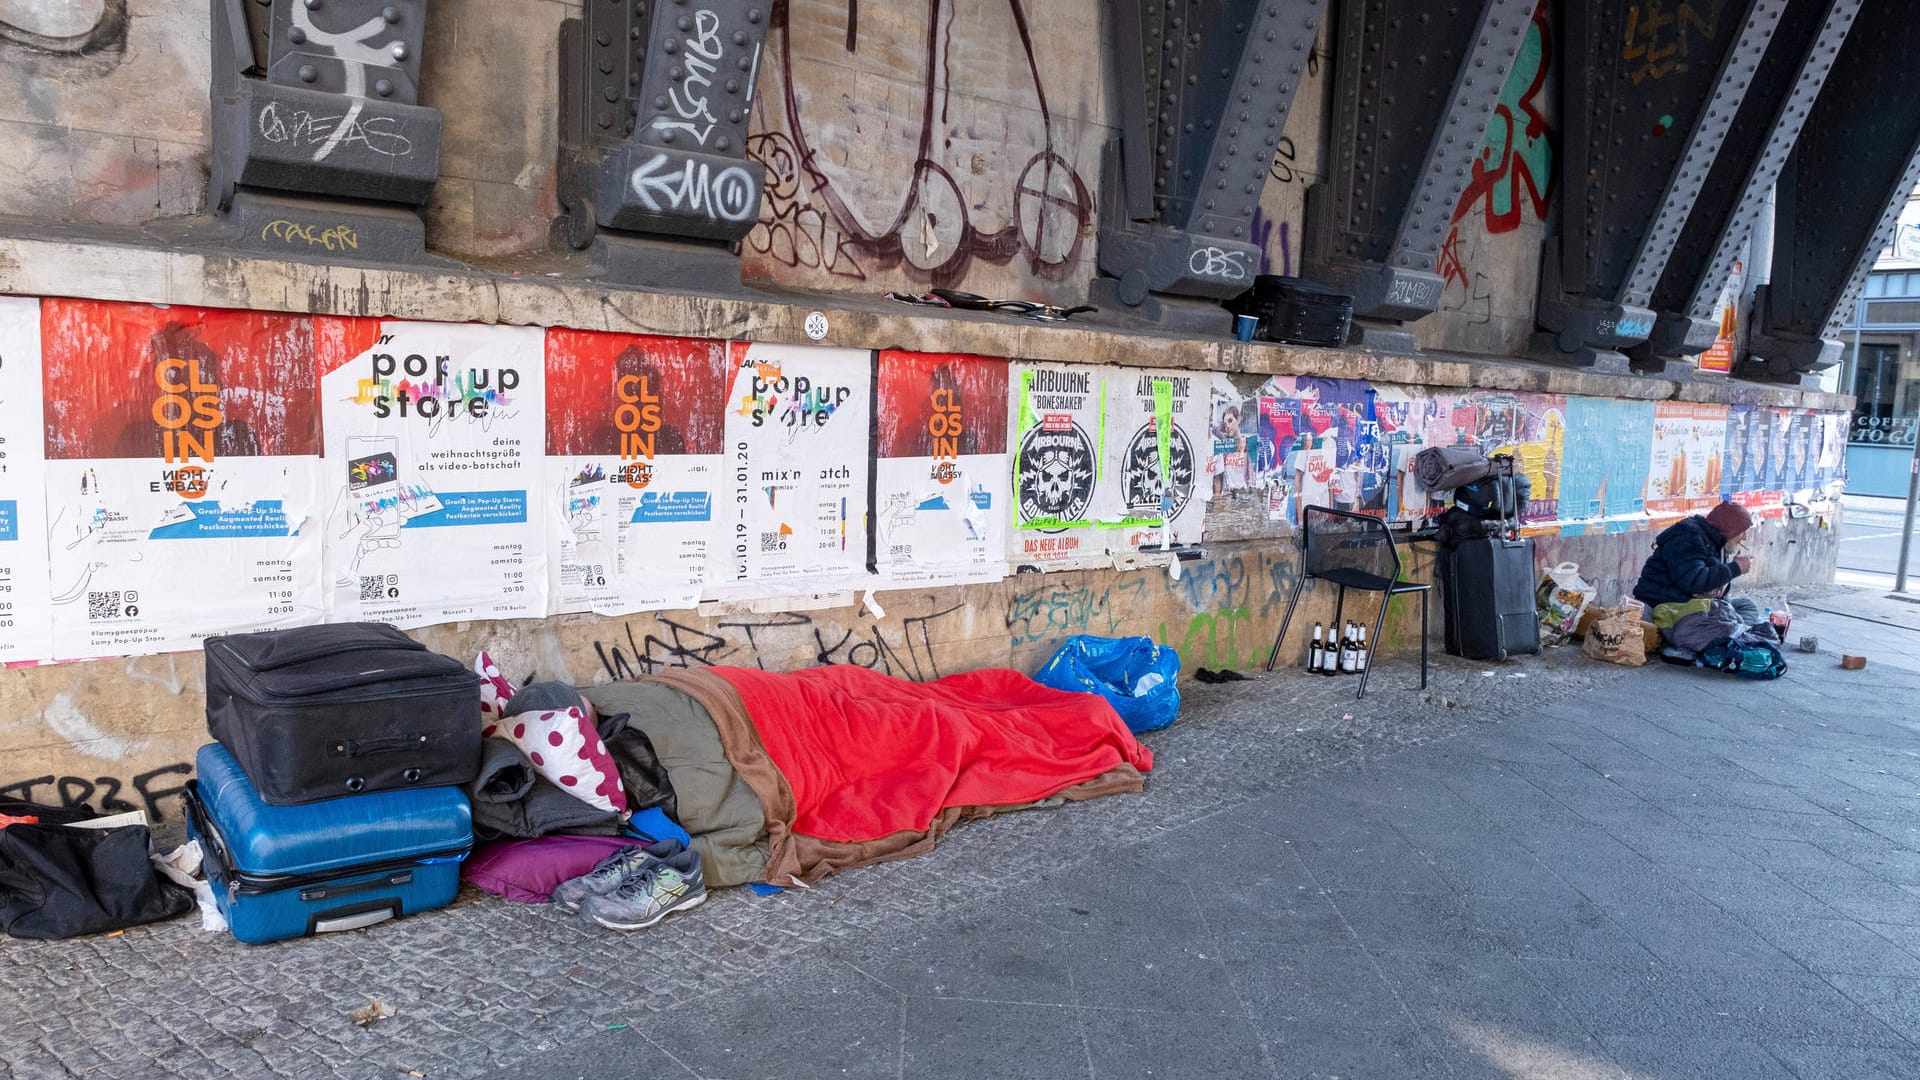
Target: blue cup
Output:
[(1243, 327)]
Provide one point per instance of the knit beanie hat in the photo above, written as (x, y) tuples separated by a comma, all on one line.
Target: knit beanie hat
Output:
[(546, 697), (1730, 519)]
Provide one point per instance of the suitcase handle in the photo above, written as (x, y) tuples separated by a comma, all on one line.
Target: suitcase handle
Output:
[(329, 892), (354, 748), (354, 917)]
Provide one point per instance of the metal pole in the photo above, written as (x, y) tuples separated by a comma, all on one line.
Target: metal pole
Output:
[(1906, 528)]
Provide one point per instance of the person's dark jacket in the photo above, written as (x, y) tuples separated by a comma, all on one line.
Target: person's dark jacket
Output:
[(510, 799), (1686, 562)]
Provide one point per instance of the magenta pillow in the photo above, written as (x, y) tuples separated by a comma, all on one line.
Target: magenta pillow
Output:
[(529, 870)]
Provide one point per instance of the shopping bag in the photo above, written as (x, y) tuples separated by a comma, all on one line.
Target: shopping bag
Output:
[(1616, 637), (1562, 597)]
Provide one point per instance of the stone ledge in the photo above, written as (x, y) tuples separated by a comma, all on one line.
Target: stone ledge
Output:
[(556, 290)]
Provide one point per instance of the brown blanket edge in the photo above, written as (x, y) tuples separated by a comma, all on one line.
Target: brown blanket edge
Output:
[(798, 858)]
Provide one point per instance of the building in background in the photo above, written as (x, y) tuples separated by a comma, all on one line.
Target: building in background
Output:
[(1882, 367)]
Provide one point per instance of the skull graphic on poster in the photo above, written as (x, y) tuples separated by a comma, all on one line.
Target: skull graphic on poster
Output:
[(1054, 474)]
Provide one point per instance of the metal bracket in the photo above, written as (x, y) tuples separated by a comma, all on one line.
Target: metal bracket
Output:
[(315, 101), (1402, 147), (1839, 197), (1788, 79), (654, 97), (1202, 117), (1648, 99)]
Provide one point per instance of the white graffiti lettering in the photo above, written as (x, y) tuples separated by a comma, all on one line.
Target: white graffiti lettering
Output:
[(1214, 263), (703, 52), (1413, 293), (728, 194), (378, 134)]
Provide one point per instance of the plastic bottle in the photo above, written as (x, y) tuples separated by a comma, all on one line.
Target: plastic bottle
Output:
[(1314, 650), (1781, 620)]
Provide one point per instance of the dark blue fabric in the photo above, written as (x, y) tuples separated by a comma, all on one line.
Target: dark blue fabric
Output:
[(1686, 562)]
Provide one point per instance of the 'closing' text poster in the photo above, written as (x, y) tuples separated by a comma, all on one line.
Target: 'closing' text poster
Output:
[(941, 469)]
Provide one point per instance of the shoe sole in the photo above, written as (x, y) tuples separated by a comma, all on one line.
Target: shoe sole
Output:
[(688, 906)]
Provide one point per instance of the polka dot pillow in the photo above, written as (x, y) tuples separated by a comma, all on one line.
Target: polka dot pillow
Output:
[(562, 744)]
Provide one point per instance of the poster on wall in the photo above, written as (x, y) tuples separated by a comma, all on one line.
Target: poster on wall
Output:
[(798, 428), (435, 435), (26, 616), (182, 475), (1059, 447), (1744, 474), (1234, 462), (1684, 470), (1603, 472), (635, 454), (1161, 422), (1530, 427), (1325, 446), (1719, 356), (1793, 451), (940, 470)]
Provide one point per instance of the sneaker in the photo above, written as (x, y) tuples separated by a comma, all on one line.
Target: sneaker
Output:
[(613, 869), (650, 894)]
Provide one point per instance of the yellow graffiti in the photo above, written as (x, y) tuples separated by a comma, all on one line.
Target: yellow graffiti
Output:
[(1660, 40), (335, 238)]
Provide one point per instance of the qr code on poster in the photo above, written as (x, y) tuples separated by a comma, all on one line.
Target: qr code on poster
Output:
[(772, 541), (103, 605), (373, 587)]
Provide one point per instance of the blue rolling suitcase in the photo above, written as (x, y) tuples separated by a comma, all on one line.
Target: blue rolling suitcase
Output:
[(290, 871)]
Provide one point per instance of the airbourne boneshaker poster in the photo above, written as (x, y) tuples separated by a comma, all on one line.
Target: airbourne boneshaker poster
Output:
[(1059, 448), (435, 434), (634, 456), (26, 616), (182, 474), (798, 434), (940, 469), (1158, 458)]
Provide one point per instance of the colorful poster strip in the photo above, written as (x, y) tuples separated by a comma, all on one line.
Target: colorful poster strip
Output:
[(634, 454), (1685, 466), (1157, 459), (940, 471), (797, 434), (434, 435), (182, 474)]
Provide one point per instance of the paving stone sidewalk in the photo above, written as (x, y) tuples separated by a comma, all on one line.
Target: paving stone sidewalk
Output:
[(1556, 870)]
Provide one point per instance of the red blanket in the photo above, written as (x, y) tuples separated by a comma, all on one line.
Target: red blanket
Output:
[(869, 755)]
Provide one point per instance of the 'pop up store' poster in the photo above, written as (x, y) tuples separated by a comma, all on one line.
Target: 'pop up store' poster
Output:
[(634, 456), (26, 616), (435, 435), (940, 477), (182, 476), (798, 429)]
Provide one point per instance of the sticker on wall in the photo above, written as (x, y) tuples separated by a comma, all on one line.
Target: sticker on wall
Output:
[(182, 475), (634, 459), (435, 436), (1233, 436), (940, 478), (26, 617), (1158, 457), (1059, 421), (798, 427)]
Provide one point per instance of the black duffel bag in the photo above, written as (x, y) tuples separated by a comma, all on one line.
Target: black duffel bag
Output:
[(57, 881), (320, 712)]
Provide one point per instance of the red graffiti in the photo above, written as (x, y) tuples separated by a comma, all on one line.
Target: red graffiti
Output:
[(1513, 169)]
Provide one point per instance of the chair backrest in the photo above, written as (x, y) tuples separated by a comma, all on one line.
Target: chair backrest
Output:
[(1336, 540)]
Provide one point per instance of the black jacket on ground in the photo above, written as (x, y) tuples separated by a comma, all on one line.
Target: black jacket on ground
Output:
[(1686, 562)]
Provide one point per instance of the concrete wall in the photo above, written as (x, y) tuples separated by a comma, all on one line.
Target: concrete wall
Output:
[(937, 145)]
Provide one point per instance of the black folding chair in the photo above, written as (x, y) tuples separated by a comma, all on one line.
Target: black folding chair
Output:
[(1354, 552)]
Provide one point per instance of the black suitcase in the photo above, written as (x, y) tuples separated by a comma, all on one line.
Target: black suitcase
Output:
[(1487, 591), (319, 712)]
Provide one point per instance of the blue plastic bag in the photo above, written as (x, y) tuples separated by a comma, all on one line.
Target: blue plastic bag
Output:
[(1137, 677)]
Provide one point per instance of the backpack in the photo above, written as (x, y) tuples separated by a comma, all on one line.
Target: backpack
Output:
[(1748, 659)]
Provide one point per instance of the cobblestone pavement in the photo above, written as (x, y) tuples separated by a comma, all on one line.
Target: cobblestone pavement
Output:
[(1554, 870)]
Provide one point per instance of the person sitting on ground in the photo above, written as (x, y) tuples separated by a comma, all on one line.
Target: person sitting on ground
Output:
[(1690, 561)]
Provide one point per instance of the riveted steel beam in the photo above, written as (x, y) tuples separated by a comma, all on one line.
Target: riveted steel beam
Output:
[(1840, 195), (1790, 75), (1414, 86), (1202, 116), (654, 97), (320, 147), (1649, 91)]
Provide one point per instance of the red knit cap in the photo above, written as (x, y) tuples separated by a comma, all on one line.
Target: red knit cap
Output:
[(1731, 519)]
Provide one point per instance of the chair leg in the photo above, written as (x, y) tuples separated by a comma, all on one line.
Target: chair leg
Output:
[(1423, 637), (1286, 621), (1373, 650)]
